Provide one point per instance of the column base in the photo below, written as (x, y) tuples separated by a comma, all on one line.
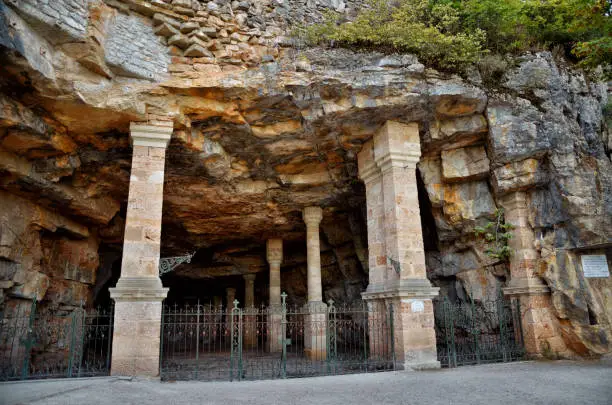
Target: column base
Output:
[(423, 359), (537, 320), (275, 334), (249, 340), (406, 288), (315, 331), (414, 339), (137, 327)]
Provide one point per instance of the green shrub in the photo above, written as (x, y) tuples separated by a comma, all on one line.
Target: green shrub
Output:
[(452, 33), (496, 236)]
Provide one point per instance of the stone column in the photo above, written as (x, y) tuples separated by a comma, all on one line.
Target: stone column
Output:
[(398, 276), (250, 312), (533, 294), (139, 292), (274, 254), (315, 327), (218, 312), (230, 297)]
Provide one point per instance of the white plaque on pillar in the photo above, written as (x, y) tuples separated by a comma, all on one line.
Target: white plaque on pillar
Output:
[(594, 266), (417, 306)]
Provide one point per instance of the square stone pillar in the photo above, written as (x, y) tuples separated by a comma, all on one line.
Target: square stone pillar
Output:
[(537, 319), (274, 255), (250, 312), (315, 323), (139, 292), (398, 277)]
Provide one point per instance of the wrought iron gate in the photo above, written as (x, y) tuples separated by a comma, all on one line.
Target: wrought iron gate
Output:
[(477, 332), (207, 343), (37, 345)]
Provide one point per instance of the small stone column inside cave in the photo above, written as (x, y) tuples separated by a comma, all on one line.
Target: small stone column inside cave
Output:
[(315, 327), (387, 164), (250, 313), (274, 255), (139, 292)]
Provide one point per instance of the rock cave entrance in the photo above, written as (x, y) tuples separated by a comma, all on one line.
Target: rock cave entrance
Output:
[(222, 266)]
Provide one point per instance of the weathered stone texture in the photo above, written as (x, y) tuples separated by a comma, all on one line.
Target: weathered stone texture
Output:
[(132, 49), (263, 133), (59, 21), (465, 164)]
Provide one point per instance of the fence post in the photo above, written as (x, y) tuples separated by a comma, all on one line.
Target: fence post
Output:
[(236, 338), (72, 342), (331, 337), (502, 319), (284, 335), (110, 334), (197, 340), (392, 331), (445, 314), (82, 345), (161, 339), (475, 330), (25, 369), (518, 321), (365, 335), (452, 317)]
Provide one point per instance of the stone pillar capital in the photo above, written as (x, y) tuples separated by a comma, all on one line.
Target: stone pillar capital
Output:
[(312, 216), (397, 145), (274, 251), (156, 136), (368, 170), (230, 291), (249, 278)]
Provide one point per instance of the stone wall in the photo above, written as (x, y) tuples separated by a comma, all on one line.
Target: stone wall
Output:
[(59, 21), (133, 50)]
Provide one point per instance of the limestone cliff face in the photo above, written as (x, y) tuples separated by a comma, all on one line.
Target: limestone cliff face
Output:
[(264, 128)]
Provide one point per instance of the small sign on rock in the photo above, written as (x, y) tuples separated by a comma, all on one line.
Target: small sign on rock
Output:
[(595, 266)]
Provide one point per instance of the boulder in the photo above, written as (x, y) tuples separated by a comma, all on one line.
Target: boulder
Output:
[(465, 203), (465, 164)]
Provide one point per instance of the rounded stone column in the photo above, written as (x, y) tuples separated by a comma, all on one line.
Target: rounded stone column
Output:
[(139, 292), (249, 290), (312, 217), (274, 254), (230, 296), (315, 323), (250, 312)]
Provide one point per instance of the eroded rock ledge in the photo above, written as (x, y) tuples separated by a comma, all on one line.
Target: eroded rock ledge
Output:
[(263, 129)]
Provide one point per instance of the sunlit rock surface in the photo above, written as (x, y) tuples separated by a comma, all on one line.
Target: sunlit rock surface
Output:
[(263, 128)]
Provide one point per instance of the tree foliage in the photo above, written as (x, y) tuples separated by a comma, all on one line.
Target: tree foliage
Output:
[(452, 33)]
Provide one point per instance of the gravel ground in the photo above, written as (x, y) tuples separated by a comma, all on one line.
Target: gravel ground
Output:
[(560, 382)]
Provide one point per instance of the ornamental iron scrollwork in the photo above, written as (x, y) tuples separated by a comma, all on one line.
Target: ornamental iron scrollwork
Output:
[(168, 264)]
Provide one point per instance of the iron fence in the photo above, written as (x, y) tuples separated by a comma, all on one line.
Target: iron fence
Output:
[(212, 343), (35, 345), (477, 332)]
